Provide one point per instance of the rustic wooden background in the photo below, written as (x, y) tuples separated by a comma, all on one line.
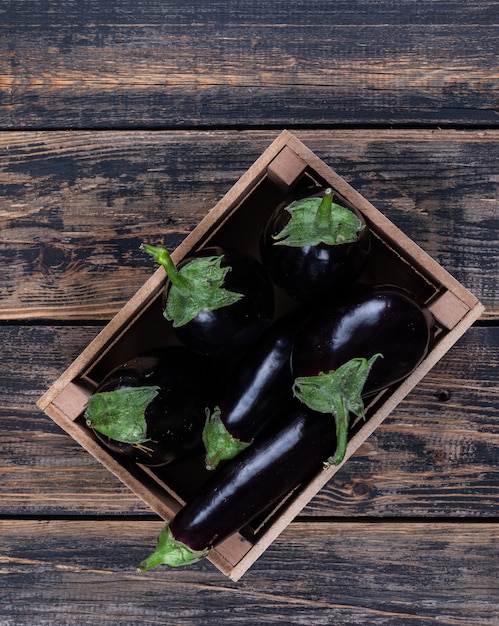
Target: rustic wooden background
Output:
[(127, 121)]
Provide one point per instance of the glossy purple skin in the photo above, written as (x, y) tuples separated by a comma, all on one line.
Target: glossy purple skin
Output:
[(262, 381), (224, 330), (312, 272), (370, 320), (176, 417), (279, 460)]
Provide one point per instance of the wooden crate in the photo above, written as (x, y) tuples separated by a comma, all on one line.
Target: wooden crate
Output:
[(285, 168)]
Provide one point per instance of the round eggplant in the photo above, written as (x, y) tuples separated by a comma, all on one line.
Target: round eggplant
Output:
[(370, 340), (151, 409), (314, 247), (217, 301)]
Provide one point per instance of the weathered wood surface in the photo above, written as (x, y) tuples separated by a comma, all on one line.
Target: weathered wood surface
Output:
[(385, 574), (171, 64), (435, 456), (127, 121), (76, 205)]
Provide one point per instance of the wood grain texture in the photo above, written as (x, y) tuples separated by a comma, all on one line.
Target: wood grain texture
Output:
[(166, 64), (75, 206), (127, 121), (410, 574), (435, 456)]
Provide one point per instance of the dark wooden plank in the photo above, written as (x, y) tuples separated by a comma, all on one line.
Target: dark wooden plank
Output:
[(435, 456), (43, 470), (75, 206), (165, 64), (326, 573)]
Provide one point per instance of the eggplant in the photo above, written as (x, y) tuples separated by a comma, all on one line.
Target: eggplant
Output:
[(258, 387), (283, 456), (368, 341), (151, 409), (217, 301), (313, 247)]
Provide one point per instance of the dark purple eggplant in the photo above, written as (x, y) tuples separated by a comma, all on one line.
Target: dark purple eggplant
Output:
[(151, 409), (281, 458), (370, 340), (313, 247), (218, 302), (258, 387)]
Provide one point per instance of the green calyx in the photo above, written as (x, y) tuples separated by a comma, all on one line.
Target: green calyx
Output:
[(170, 552), (120, 414), (314, 221), (340, 393), (219, 444), (195, 287)]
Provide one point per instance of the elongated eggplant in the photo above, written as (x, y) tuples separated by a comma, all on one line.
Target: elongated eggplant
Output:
[(259, 386), (151, 409), (313, 247), (370, 340), (218, 302), (279, 460)]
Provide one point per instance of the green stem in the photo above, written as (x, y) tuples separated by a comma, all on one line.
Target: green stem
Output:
[(219, 444), (120, 414), (170, 552), (323, 215), (162, 257), (338, 392), (341, 416)]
